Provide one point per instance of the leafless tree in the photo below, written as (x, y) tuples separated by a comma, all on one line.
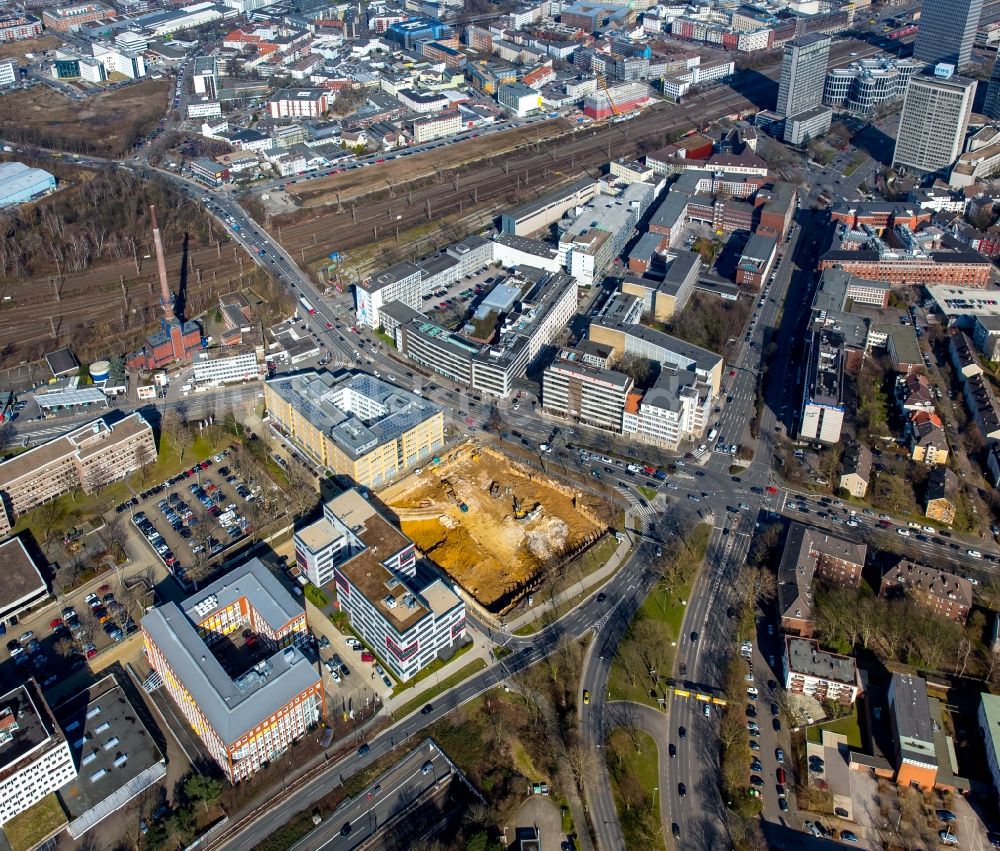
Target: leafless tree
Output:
[(177, 430)]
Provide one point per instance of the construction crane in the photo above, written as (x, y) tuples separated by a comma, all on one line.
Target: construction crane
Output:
[(607, 92)]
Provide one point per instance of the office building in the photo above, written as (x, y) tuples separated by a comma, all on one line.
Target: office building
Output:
[(675, 408), (408, 282), (355, 425), (20, 183), (640, 341), (248, 718), (947, 31), (800, 89), (584, 393), (811, 554), (86, 458), (866, 84), (947, 595), (932, 126), (823, 393), (116, 754), (914, 755), (822, 675), (35, 758), (989, 729), (991, 106), (205, 76), (72, 16), (548, 209), (298, 103), (225, 367), (520, 99), (406, 615)]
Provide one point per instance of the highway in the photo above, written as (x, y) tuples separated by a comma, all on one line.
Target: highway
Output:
[(358, 820)]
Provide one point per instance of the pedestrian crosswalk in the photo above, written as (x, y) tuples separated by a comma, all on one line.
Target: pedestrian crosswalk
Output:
[(638, 506)]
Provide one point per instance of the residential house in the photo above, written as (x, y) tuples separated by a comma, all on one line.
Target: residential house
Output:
[(822, 675), (811, 554), (926, 439), (945, 594), (913, 392), (857, 468), (941, 498)]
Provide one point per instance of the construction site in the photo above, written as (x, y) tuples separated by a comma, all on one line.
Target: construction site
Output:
[(496, 528)]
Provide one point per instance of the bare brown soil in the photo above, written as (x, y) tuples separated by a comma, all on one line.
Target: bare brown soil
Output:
[(518, 520)]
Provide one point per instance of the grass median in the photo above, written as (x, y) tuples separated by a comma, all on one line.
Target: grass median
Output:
[(448, 682)]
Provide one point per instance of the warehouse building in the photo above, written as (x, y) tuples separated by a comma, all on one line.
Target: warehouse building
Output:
[(549, 208), (407, 618), (247, 719), (19, 183), (355, 425)]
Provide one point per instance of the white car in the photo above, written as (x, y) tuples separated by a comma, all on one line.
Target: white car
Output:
[(974, 553), (930, 529), (752, 691), (904, 532)]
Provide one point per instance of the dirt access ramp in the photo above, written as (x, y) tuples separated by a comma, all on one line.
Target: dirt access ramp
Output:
[(398, 172), (516, 521)]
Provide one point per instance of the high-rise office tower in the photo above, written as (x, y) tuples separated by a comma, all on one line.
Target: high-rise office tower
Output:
[(991, 107), (935, 117), (800, 91), (946, 31)]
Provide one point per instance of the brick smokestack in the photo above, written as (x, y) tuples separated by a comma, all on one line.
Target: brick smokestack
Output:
[(166, 300)]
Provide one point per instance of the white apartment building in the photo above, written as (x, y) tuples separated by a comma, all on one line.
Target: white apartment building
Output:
[(8, 72), (586, 394), (443, 124), (675, 408), (225, 369), (35, 758), (405, 618), (825, 676)]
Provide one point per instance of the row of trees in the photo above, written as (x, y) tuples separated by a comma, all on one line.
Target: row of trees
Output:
[(902, 631), (102, 219)]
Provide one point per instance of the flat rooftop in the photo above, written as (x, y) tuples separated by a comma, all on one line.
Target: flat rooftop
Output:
[(26, 727), (366, 571), (114, 752), (356, 411), (805, 657), (232, 707), (22, 580)]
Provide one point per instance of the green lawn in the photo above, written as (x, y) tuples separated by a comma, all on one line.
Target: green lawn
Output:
[(847, 726), (669, 609), (642, 767), (648, 492), (75, 508), (431, 669), (35, 824), (461, 674)]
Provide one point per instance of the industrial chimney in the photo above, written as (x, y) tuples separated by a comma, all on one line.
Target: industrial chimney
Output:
[(166, 299)]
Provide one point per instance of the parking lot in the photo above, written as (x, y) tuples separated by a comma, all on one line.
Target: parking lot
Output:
[(195, 516), (450, 305)]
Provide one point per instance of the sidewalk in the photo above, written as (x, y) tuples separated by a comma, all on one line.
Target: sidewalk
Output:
[(482, 649), (595, 578)]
